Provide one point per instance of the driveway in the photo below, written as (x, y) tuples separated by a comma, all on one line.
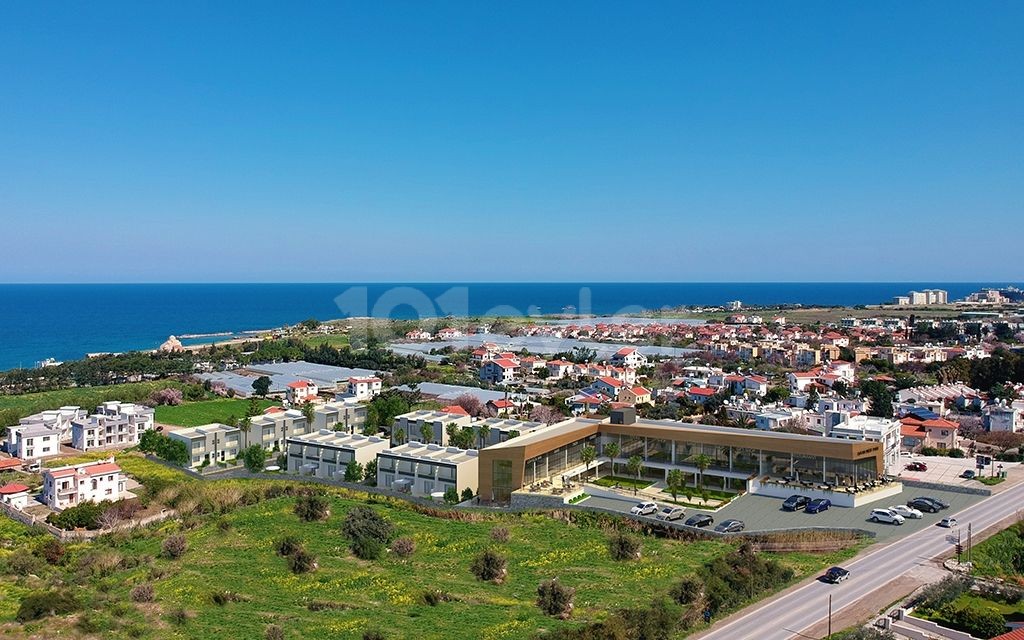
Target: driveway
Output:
[(764, 513), (946, 470)]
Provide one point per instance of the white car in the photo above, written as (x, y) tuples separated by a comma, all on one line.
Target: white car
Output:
[(907, 512), (645, 509), (949, 523), (887, 516)]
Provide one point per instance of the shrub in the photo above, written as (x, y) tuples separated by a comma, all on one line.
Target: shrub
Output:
[(467, 494), (554, 598), (174, 546), (23, 563), (52, 551), (274, 632), (956, 453), (169, 397), (179, 616), (938, 594), (222, 598), (865, 633), (368, 532), (255, 458), (687, 590), (434, 597), (622, 546), (84, 516), (142, 592), (451, 496), (311, 508), (302, 561), (490, 566), (39, 604), (739, 576), (374, 634), (404, 547), (287, 545), (501, 534), (983, 622)]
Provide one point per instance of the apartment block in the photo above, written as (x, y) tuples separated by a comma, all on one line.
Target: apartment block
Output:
[(209, 444), (272, 429), (411, 425), (114, 425), (340, 416), (325, 454), (423, 469)]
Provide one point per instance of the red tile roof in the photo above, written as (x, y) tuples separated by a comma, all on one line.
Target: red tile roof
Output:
[(701, 391), (625, 351), (502, 403), (505, 364), (298, 384), (456, 409), (611, 381), (100, 469), (10, 463), (912, 430), (11, 488), (940, 424), (640, 391), (1016, 634)]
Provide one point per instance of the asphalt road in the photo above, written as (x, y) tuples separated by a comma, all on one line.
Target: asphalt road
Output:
[(794, 613)]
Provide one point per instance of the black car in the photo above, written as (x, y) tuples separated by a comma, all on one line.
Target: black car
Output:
[(730, 526), (795, 503), (923, 504), (818, 505), (699, 520), (935, 501), (835, 575)]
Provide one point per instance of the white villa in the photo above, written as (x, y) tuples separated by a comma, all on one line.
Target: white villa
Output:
[(114, 425), (69, 486)]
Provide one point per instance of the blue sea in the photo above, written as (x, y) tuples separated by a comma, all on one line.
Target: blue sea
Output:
[(68, 321)]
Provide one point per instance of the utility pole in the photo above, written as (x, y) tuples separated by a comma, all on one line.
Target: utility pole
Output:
[(969, 545)]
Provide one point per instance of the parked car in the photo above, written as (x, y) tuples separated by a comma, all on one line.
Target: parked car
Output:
[(730, 526), (921, 504), (670, 513), (917, 466), (645, 509), (949, 523), (795, 503), (887, 516), (699, 520), (941, 504), (818, 505), (969, 474), (835, 575), (906, 512)]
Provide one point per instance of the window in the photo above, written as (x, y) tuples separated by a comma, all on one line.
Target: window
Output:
[(501, 480)]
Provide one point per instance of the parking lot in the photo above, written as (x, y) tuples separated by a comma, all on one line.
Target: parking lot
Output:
[(946, 470), (763, 513)]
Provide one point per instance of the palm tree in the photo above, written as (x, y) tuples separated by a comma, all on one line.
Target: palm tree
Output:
[(702, 462), (483, 432), (308, 412), (675, 481), (426, 432), (611, 450), (635, 465), (400, 436), (587, 454), (243, 426)]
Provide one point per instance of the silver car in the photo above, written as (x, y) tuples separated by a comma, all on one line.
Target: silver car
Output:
[(670, 513)]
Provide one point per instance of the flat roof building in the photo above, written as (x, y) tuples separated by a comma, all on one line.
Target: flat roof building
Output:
[(325, 454), (411, 424), (423, 469), (735, 457), (210, 443)]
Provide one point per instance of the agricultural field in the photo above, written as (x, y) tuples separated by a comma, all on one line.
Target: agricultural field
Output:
[(231, 578), (85, 397), (193, 414)]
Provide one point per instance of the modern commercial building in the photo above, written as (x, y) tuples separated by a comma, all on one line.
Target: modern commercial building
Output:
[(411, 425), (209, 443), (272, 429), (69, 486), (423, 469), (737, 459), (114, 425), (325, 454), (869, 429)]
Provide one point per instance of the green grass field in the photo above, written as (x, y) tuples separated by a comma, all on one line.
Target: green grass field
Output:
[(234, 552), (193, 414), (997, 556), (85, 397), (335, 340)]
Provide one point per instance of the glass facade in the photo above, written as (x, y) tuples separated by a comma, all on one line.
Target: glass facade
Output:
[(501, 480)]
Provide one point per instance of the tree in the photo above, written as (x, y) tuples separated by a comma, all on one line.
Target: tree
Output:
[(812, 398), (635, 465), (308, 412), (675, 480), (261, 386), (880, 398), (470, 403), (399, 436), (149, 441), (451, 495), (702, 461), (611, 451), (426, 433), (368, 532), (545, 414), (255, 458), (483, 432), (370, 473), (554, 598), (587, 455), (353, 471), (253, 409)]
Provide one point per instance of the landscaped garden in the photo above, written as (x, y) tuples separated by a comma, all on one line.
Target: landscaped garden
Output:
[(255, 558), (622, 482)]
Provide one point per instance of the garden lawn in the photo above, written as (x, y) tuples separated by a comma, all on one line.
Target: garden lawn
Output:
[(194, 414), (625, 483)]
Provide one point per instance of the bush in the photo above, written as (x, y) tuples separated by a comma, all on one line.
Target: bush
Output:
[(179, 616), (174, 546), (938, 594), (467, 494), (84, 516), (368, 532), (52, 551), (554, 598), (740, 576), (142, 592), (865, 633), (302, 561), (311, 508), (39, 604), (255, 458), (451, 496), (956, 453), (622, 546), (490, 566), (501, 534), (274, 632), (687, 590), (287, 545), (23, 563), (374, 634), (403, 547), (434, 597), (222, 598), (983, 622)]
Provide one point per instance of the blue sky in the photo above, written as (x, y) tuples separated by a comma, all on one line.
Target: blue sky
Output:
[(419, 141)]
